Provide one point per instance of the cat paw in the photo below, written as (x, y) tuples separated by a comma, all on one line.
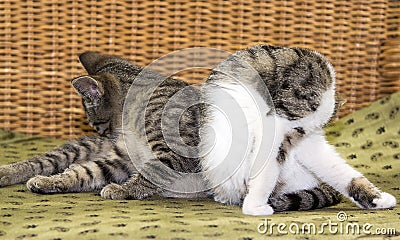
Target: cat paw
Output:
[(114, 191), (251, 208), (262, 210), (386, 200), (8, 176), (5, 177), (41, 184)]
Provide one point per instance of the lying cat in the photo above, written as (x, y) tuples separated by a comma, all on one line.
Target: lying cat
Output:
[(288, 183), (102, 162)]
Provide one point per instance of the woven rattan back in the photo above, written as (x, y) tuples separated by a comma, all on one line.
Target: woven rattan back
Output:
[(40, 41)]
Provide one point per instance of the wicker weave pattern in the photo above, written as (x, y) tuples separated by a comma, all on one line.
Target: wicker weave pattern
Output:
[(40, 40)]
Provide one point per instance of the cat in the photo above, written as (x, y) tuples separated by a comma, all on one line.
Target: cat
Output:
[(270, 105), (103, 163)]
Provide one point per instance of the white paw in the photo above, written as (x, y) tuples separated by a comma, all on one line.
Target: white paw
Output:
[(385, 201), (256, 209), (262, 210)]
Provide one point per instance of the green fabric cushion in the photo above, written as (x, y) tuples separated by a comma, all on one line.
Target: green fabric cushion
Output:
[(368, 139)]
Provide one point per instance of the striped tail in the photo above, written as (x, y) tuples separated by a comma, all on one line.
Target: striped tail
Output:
[(318, 197)]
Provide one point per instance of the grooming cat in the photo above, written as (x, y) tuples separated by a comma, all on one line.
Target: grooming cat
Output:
[(271, 104), (102, 162)]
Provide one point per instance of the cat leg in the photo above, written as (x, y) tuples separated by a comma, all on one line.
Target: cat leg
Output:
[(54, 161), (265, 170), (89, 176), (153, 177), (260, 188), (137, 187), (320, 158)]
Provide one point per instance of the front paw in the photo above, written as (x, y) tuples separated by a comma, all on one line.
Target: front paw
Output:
[(119, 192), (10, 176), (5, 177), (385, 201), (41, 184), (256, 209), (114, 191)]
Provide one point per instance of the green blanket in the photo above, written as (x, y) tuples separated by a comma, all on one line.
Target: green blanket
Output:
[(368, 139)]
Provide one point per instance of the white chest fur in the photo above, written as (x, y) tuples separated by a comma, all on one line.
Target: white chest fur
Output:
[(235, 129)]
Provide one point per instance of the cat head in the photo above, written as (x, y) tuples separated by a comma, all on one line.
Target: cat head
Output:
[(104, 89)]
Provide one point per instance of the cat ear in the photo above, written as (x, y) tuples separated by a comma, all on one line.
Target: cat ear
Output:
[(90, 60), (88, 88)]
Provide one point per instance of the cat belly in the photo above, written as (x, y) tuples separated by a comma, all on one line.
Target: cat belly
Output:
[(234, 130)]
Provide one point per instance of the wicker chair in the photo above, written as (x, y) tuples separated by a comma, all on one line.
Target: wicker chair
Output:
[(40, 41)]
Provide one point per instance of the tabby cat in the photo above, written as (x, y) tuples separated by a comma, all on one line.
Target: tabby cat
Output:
[(102, 162), (271, 104), (301, 87)]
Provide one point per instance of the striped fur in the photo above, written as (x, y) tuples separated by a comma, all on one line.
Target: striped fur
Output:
[(289, 140), (280, 98), (56, 161), (301, 86), (303, 200), (363, 192), (102, 162)]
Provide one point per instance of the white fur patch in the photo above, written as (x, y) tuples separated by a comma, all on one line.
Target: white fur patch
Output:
[(295, 177), (321, 159), (321, 116), (235, 128), (385, 201)]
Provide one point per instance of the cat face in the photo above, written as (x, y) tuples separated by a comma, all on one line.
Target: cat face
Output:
[(97, 99), (103, 91)]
